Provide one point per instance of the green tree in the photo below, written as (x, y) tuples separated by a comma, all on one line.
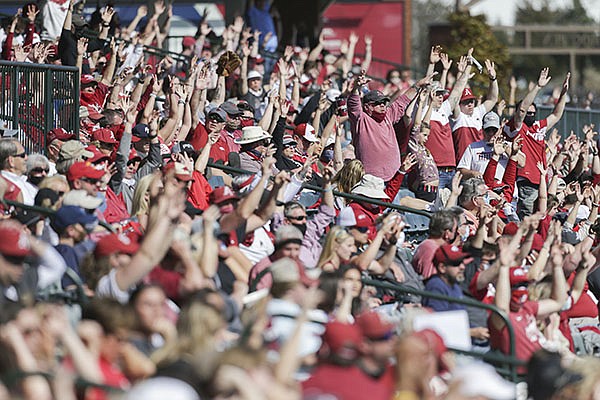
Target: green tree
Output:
[(468, 31)]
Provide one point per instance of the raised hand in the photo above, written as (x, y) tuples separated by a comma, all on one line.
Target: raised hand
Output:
[(353, 39), (32, 12), (500, 107), (368, 40), (446, 61), (498, 146), (142, 11), (426, 81), (106, 14), (205, 29), (544, 78), (491, 69), (409, 161), (516, 145), (434, 54), (565, 85), (512, 83), (456, 186)]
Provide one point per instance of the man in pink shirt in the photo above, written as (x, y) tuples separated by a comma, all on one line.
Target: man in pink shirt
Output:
[(372, 124), (443, 229)]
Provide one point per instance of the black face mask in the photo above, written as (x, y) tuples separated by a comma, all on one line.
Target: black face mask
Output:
[(301, 228), (35, 180), (529, 120)]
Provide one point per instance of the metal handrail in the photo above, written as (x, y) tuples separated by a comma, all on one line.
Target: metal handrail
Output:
[(48, 212), (349, 196), (511, 360)]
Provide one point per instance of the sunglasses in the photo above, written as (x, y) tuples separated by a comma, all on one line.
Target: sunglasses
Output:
[(467, 102), (379, 103), (530, 113), (384, 338), (362, 229), (20, 155), (15, 260), (91, 181), (40, 170), (215, 118), (298, 218)]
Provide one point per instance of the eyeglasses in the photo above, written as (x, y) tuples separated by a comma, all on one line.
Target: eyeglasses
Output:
[(298, 218), (20, 155), (41, 170)]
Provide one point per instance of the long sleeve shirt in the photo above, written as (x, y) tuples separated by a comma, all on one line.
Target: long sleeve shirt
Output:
[(375, 142)]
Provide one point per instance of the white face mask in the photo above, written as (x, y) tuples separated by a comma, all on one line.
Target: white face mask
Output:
[(464, 236)]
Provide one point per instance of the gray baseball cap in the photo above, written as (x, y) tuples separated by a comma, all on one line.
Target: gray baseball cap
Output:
[(491, 120)]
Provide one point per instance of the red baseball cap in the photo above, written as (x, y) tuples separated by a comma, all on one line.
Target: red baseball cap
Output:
[(105, 136), (88, 79), (373, 326), (98, 155), (115, 243), (467, 94), (180, 170), (518, 276), (188, 41), (307, 132), (84, 169), (510, 229), (15, 242), (60, 134), (449, 254), (342, 340), (133, 155), (222, 194)]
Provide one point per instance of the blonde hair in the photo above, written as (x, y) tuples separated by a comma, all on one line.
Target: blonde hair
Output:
[(197, 327), (336, 236), (349, 176), (141, 196)]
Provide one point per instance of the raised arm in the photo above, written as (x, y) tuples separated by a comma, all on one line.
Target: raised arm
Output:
[(559, 285), (492, 95), (559, 108), (368, 53), (530, 97), (464, 73)]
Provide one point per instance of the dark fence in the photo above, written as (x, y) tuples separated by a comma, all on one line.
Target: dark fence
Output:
[(573, 119), (35, 98)]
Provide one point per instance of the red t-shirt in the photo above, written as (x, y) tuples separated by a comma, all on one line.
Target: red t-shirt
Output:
[(467, 129), (534, 147), (199, 191), (349, 383), (527, 334), (440, 142), (94, 99), (198, 138)]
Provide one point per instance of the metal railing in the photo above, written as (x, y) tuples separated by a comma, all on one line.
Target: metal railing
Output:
[(509, 361), (35, 98), (573, 119)]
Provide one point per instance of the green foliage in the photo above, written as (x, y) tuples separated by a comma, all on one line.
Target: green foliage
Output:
[(467, 31), (575, 14)]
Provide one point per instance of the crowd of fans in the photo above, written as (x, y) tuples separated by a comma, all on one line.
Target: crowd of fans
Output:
[(208, 232)]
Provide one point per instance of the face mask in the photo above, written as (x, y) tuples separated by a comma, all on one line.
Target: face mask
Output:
[(247, 122), (301, 228), (518, 297), (35, 180), (327, 156), (464, 236), (226, 209), (395, 81), (377, 116), (529, 120)]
